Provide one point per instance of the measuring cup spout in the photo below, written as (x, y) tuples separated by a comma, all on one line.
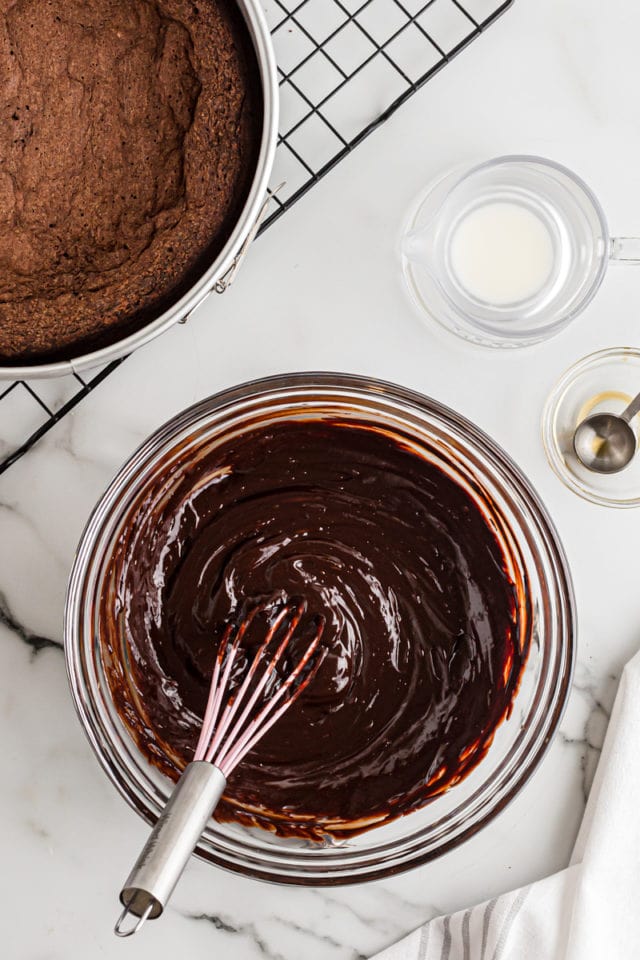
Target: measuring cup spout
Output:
[(418, 246)]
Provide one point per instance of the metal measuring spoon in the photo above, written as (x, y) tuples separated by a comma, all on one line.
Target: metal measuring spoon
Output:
[(605, 442)]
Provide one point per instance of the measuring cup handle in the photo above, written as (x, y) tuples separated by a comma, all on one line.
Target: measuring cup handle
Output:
[(625, 250)]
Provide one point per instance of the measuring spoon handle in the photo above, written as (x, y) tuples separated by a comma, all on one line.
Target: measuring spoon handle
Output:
[(633, 408)]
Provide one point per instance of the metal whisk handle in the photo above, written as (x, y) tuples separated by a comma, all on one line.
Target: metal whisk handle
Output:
[(165, 854)]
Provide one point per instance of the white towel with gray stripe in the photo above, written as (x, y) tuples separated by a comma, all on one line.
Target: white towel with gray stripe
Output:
[(590, 910)]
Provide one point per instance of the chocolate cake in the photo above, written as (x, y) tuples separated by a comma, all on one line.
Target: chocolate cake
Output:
[(129, 135)]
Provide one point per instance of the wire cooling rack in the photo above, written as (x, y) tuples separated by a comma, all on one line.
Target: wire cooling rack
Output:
[(344, 67)]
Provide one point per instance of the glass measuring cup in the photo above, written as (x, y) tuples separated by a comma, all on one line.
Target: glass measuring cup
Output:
[(508, 252)]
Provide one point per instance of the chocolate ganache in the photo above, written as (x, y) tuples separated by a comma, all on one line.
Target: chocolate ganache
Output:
[(426, 633)]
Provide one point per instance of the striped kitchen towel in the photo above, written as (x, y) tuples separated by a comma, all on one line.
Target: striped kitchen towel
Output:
[(591, 910)]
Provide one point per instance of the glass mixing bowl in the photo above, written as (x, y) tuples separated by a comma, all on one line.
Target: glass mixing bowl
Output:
[(519, 519)]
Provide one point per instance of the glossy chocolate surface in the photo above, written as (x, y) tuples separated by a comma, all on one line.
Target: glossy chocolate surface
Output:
[(426, 631)]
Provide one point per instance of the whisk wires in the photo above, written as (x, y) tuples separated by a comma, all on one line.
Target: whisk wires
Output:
[(231, 727)]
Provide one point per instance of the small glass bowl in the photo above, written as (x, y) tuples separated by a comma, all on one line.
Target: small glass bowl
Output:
[(603, 382), (460, 449)]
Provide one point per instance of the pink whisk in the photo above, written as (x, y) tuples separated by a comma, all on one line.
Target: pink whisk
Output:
[(234, 722)]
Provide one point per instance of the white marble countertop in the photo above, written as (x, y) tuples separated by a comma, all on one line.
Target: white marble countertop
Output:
[(322, 290)]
